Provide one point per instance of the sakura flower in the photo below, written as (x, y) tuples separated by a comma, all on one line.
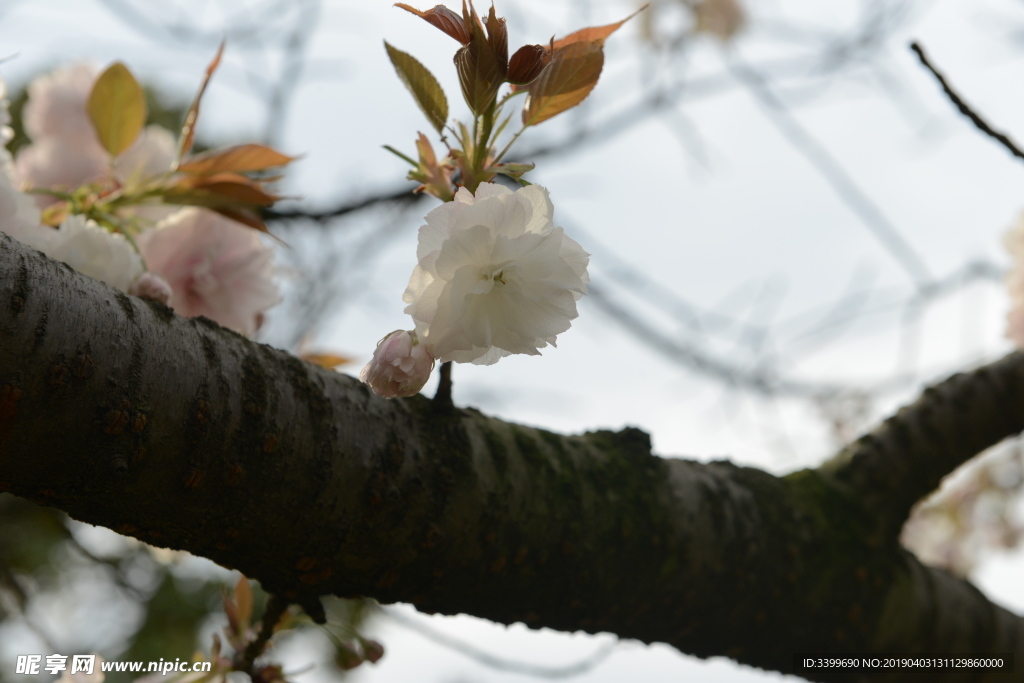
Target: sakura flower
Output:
[(55, 163), (151, 154), (495, 277), (90, 250), (56, 104), (215, 267), (400, 366), (78, 242), (66, 153)]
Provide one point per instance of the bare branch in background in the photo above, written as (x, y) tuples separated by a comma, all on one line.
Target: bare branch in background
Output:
[(965, 108)]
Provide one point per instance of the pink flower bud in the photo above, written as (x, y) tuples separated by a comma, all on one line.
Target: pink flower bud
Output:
[(400, 366), (152, 287)]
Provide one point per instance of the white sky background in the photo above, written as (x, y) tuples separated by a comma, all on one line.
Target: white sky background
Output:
[(737, 222)]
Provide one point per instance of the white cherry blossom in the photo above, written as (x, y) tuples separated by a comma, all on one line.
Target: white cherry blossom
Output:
[(89, 249), (495, 276)]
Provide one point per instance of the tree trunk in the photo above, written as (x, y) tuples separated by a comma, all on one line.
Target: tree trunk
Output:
[(186, 435)]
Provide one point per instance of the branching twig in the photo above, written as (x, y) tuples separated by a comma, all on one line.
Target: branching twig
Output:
[(965, 108)]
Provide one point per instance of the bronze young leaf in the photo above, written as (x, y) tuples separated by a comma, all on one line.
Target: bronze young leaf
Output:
[(188, 128), (565, 82), (594, 33), (444, 19), (240, 158), (527, 63)]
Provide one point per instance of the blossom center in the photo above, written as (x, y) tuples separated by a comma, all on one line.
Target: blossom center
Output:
[(495, 275)]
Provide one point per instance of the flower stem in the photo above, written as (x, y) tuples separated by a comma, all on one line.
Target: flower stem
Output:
[(443, 395)]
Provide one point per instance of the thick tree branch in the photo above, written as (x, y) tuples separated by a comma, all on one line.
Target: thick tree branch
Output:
[(904, 459), (186, 435)]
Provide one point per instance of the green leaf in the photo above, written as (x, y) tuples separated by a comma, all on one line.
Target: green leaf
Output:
[(117, 108), (421, 83), (565, 81)]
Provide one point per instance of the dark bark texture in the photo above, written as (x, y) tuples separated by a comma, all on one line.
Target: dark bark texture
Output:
[(186, 435)]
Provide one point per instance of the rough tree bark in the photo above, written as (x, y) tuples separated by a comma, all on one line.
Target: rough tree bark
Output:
[(186, 435)]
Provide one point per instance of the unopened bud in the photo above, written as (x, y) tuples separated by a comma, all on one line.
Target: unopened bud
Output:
[(400, 366)]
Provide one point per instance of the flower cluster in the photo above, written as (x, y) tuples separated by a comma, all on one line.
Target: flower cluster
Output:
[(197, 260), (495, 277)]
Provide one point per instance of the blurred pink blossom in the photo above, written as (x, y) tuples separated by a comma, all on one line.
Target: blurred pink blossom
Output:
[(57, 164), (215, 267), (56, 104), (65, 152)]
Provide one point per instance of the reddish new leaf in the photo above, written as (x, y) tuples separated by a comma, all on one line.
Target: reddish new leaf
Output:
[(565, 82), (479, 76), (220, 190), (444, 19), (497, 40), (188, 128), (246, 217), (481, 70), (241, 158), (527, 63), (594, 33)]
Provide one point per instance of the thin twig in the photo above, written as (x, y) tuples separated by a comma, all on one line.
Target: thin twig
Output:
[(271, 615), (965, 108), (403, 195)]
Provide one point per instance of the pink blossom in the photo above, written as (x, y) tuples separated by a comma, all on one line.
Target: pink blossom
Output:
[(216, 267), (400, 366), (65, 152), (56, 104), (150, 155), (55, 163)]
